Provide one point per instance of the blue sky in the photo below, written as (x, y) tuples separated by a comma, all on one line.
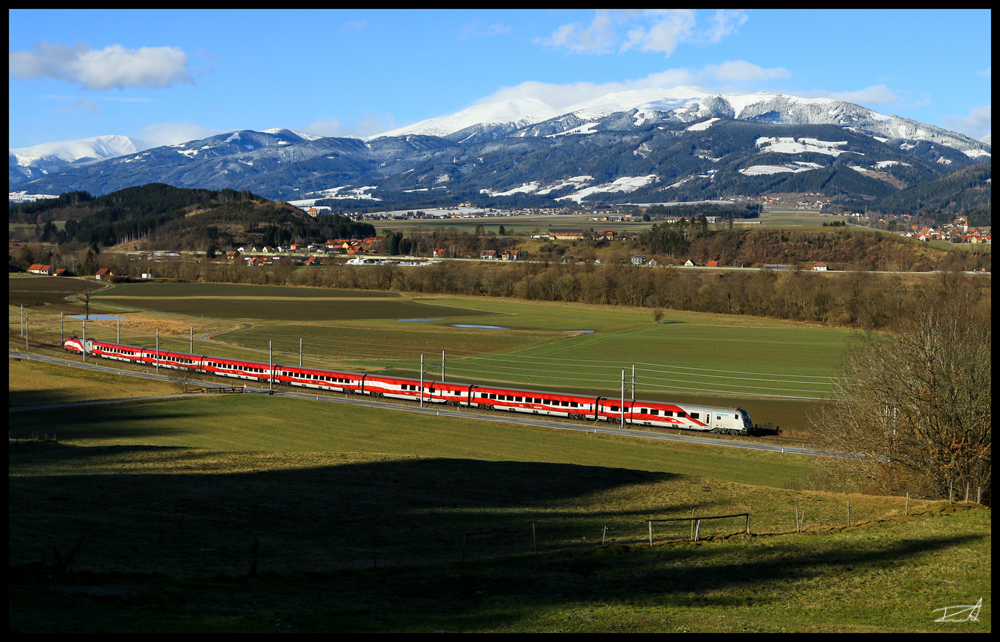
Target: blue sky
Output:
[(170, 76)]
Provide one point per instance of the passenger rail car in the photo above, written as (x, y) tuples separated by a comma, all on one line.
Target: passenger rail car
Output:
[(553, 404)]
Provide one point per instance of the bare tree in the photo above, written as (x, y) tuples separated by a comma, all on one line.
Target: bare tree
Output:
[(88, 289), (913, 410)]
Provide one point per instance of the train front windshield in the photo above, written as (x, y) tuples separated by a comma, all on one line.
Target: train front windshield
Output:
[(746, 419)]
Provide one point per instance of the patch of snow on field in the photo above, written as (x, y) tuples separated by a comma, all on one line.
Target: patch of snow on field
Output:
[(355, 193), (700, 127), (586, 128), (792, 146), (575, 181), (974, 153), (623, 184), (797, 166), (890, 163), (525, 188)]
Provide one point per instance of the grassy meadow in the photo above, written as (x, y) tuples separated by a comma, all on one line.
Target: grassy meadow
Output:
[(33, 383), (170, 498), (771, 368), (371, 520)]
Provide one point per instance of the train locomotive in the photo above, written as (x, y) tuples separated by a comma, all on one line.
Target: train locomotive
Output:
[(554, 404)]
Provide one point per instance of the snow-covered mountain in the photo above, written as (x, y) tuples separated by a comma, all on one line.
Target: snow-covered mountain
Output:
[(38, 160), (680, 105), (505, 115), (655, 144)]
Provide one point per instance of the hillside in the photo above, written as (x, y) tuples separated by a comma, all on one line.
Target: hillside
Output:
[(963, 191), (158, 216)]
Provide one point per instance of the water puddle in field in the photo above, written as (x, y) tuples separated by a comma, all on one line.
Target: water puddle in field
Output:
[(480, 327), (441, 319), (96, 317)]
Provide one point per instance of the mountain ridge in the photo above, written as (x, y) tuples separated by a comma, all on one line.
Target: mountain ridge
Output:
[(679, 144)]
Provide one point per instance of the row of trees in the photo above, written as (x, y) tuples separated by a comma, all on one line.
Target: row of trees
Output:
[(855, 299)]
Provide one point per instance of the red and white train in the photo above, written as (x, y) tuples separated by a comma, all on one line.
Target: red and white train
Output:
[(555, 404)]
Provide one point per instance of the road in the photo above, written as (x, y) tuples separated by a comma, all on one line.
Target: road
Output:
[(430, 409)]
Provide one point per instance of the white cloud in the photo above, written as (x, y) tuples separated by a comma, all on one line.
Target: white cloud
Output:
[(476, 29), (725, 77), (174, 133), (370, 125), (724, 23), (742, 71), (977, 124), (659, 30), (874, 95), (668, 29), (111, 67), (596, 38), (354, 25), (988, 72), (82, 104)]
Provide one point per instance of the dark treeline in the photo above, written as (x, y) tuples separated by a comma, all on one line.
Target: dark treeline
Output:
[(696, 210), (854, 299), (165, 217)]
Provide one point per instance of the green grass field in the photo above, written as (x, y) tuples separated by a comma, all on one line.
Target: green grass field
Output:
[(236, 291), (761, 365), (32, 383), (170, 496)]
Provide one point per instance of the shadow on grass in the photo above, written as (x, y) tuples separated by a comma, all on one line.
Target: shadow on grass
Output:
[(173, 510), (87, 422)]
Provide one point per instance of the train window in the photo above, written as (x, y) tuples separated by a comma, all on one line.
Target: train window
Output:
[(680, 413), (614, 408), (695, 415), (655, 412), (718, 417), (669, 413)]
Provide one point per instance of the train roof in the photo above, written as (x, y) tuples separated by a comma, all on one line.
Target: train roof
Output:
[(116, 345)]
